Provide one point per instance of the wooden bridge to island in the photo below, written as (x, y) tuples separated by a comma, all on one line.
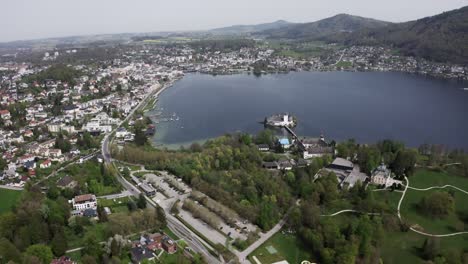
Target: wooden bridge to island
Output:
[(295, 137)]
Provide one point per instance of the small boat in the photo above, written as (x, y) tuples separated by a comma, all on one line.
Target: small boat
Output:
[(466, 89)]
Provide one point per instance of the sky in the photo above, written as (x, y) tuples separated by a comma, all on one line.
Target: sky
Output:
[(32, 19)]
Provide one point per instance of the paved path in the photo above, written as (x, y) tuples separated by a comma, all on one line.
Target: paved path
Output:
[(349, 211), (13, 188), (438, 187), (116, 195), (263, 238)]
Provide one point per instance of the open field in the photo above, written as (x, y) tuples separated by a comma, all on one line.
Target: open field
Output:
[(284, 247), (116, 205), (424, 178), (399, 247), (427, 178), (449, 224), (8, 199)]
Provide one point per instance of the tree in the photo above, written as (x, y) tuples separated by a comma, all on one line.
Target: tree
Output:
[(3, 164), (53, 192), (430, 248), (9, 252), (437, 204), (42, 252), (87, 259), (59, 244), (131, 205), (141, 203), (92, 246), (404, 162), (102, 214), (115, 248), (140, 135)]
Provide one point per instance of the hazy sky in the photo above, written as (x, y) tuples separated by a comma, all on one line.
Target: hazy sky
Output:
[(30, 19)]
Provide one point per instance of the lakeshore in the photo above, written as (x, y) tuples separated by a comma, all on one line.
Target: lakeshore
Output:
[(331, 103)]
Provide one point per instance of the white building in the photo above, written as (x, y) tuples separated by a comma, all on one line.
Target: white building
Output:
[(383, 176), (83, 202), (280, 120)]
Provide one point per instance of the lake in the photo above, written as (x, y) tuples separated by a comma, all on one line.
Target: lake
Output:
[(366, 106)]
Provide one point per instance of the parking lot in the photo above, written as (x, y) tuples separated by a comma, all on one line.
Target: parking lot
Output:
[(167, 195)]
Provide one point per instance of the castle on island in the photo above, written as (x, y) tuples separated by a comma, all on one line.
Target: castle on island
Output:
[(281, 120)]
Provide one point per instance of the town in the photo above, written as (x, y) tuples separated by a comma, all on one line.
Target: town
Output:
[(80, 131)]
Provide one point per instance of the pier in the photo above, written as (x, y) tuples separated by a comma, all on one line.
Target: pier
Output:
[(295, 137)]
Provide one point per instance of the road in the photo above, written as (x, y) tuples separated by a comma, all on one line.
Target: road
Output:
[(116, 195), (195, 242)]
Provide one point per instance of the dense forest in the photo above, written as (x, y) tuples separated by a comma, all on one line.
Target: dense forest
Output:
[(228, 169)]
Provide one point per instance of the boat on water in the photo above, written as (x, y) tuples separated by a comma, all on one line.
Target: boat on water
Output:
[(466, 89)]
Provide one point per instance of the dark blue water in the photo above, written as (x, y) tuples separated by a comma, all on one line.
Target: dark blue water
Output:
[(365, 106)]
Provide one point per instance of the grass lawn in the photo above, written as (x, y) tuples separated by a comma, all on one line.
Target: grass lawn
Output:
[(344, 64), (8, 199), (116, 205), (391, 199), (424, 178), (398, 247), (444, 225), (172, 258), (288, 247)]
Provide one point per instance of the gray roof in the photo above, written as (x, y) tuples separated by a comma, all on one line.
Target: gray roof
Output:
[(342, 162)]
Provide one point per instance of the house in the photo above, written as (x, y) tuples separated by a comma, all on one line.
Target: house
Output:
[(315, 147), (46, 164), (5, 114), (66, 182), (31, 164), (25, 158), (169, 245), (70, 109), (55, 127), (270, 165), (383, 176), (285, 143), (90, 212), (285, 165), (121, 132), (28, 134), (100, 158), (141, 253), (263, 147), (83, 202), (63, 260), (301, 163), (347, 173), (55, 153)]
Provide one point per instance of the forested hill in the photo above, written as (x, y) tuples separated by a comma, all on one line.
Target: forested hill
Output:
[(322, 28), (442, 37)]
